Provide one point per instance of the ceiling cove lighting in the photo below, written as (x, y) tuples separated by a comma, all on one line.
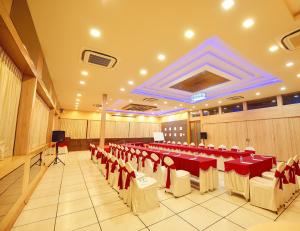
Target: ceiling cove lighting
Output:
[(283, 88), (143, 72), (189, 34), (289, 64), (95, 33), (122, 89), (227, 4), (161, 57), (249, 22), (273, 48), (82, 82), (130, 82), (84, 73)]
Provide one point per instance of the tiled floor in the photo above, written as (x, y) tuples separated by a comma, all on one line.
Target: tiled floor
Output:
[(77, 197)]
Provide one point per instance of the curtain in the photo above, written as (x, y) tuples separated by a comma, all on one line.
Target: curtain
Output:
[(93, 129), (10, 90), (38, 124), (110, 129), (75, 129)]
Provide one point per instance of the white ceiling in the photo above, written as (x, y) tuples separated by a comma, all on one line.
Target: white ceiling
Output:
[(135, 31)]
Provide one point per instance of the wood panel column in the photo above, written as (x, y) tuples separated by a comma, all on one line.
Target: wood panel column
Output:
[(27, 99), (103, 120), (50, 125)]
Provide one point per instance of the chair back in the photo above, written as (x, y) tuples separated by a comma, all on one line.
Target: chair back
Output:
[(138, 151), (154, 157), (169, 142), (178, 142), (235, 147), (192, 144), (290, 162), (222, 146), (132, 150), (168, 161), (121, 163), (296, 158), (185, 143), (144, 153), (113, 158), (210, 146), (249, 148), (126, 148), (129, 167), (173, 142)]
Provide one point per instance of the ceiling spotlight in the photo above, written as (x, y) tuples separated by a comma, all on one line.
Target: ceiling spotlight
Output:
[(189, 34), (122, 89), (180, 105), (77, 100), (257, 93), (193, 107), (95, 33), (298, 75), (143, 72), (219, 102), (273, 48), (161, 57), (130, 82), (84, 73), (249, 22), (165, 102), (79, 95), (77, 103), (206, 105), (175, 107), (296, 96), (282, 88), (289, 64), (227, 4), (130, 101), (82, 82), (155, 104)]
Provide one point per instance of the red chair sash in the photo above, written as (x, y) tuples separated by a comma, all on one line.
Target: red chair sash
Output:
[(168, 182), (128, 178), (292, 178), (296, 168), (107, 168), (281, 177), (113, 166), (120, 179), (99, 154)]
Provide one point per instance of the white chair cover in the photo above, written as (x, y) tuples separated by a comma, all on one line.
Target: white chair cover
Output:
[(178, 142), (192, 144)]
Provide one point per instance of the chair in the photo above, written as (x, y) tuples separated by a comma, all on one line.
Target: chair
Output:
[(222, 147), (121, 178), (210, 146), (113, 172), (267, 193), (192, 144), (178, 181), (185, 143), (173, 142), (179, 142), (145, 164), (158, 171), (250, 149), (297, 169), (169, 142), (201, 145), (102, 162), (235, 148)]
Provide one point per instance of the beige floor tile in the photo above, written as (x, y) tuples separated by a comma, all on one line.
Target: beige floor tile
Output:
[(224, 225), (162, 195), (76, 220), (74, 206), (219, 206), (291, 214), (264, 212), (71, 196), (110, 210), (155, 215), (45, 225), (234, 198), (174, 223), (200, 217), (34, 215), (198, 198), (72, 188), (41, 202), (247, 218), (126, 222), (218, 191), (100, 191), (178, 204), (104, 199), (44, 193), (94, 227)]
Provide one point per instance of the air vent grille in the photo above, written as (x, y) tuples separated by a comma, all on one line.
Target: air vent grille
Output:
[(292, 40), (150, 99), (99, 59), (235, 97), (131, 116), (138, 107), (97, 105)]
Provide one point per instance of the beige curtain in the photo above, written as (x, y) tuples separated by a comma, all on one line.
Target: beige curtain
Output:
[(138, 129), (39, 124), (122, 129), (10, 90), (110, 129), (93, 129), (75, 129)]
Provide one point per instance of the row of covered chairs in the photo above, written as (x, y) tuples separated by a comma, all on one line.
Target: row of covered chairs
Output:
[(276, 187)]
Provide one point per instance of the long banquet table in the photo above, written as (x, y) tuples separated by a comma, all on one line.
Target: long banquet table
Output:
[(238, 172)]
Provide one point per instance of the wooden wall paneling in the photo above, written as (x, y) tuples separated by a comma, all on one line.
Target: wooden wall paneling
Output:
[(294, 128), (236, 133), (27, 99), (282, 139), (50, 125)]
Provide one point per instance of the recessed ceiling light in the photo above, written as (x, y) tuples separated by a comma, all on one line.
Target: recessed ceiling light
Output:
[(130, 82), (289, 64), (206, 105), (77, 100), (165, 102), (298, 75), (82, 82), (175, 107), (155, 104), (77, 103), (193, 107), (79, 95), (219, 102), (161, 57), (189, 34), (84, 73), (122, 89), (227, 4), (296, 96), (249, 22), (282, 88), (143, 72), (95, 33), (273, 48), (257, 93), (180, 105), (130, 101)]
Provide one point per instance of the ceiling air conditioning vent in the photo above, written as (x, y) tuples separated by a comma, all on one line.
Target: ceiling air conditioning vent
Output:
[(97, 58), (138, 107), (97, 105), (131, 116), (292, 40), (149, 99), (237, 97)]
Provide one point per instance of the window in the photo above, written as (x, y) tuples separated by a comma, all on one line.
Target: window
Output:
[(210, 111), (262, 103), (232, 108), (195, 114), (291, 98)]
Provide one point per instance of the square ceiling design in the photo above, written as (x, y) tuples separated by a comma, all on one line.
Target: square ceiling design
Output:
[(216, 68)]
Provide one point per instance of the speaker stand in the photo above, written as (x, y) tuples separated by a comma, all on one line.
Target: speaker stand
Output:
[(57, 159)]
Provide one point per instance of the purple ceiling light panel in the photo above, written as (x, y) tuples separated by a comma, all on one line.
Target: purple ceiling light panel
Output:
[(213, 57)]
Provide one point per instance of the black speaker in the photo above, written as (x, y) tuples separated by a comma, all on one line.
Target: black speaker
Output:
[(203, 135), (58, 136)]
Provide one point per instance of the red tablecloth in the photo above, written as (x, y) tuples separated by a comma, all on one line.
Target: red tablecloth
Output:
[(215, 152), (252, 166)]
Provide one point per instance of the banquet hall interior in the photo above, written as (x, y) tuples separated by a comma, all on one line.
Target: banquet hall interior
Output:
[(149, 115)]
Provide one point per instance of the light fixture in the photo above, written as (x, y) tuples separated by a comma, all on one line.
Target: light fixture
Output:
[(296, 96), (219, 102), (77, 103), (95, 33), (283, 88), (227, 4), (130, 101), (79, 95), (193, 107), (165, 102), (289, 64), (249, 22), (155, 104), (130, 82), (175, 107), (122, 89), (273, 48), (180, 105), (84, 73), (143, 72), (77, 100), (206, 105), (161, 57), (257, 93), (298, 75), (82, 82), (189, 34)]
